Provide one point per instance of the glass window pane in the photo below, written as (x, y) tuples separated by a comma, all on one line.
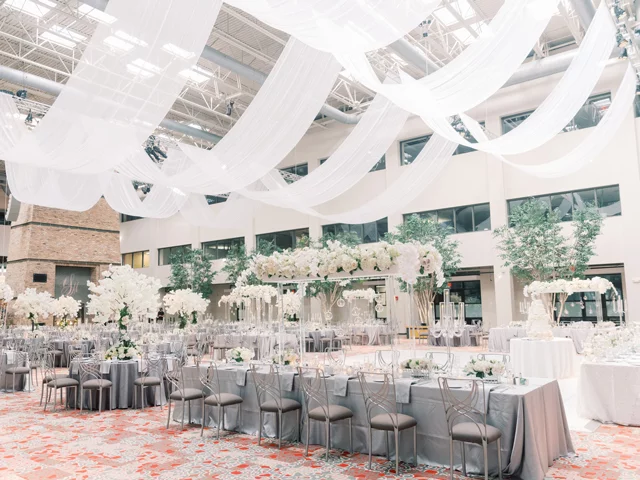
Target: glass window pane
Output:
[(609, 201), (383, 227), (342, 228), (358, 230), (328, 229), (482, 217), (464, 219), (583, 198), (410, 149), (127, 259), (370, 232), (562, 204), (509, 123), (299, 234), (146, 258), (322, 160), (223, 250), (162, 254), (137, 260), (445, 218), (473, 310), (302, 169), (381, 165), (284, 240), (513, 204)]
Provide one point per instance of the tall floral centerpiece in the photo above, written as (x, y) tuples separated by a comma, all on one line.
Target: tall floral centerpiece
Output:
[(6, 295), (65, 309), (185, 303), (121, 295), (291, 303), (33, 305)]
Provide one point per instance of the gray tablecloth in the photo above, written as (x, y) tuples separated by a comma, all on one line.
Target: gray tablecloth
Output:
[(499, 337), (578, 335), (120, 395), (532, 420), (6, 380), (63, 346), (462, 341)]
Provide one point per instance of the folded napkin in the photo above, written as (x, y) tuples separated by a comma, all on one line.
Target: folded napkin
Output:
[(340, 383), (105, 367), (241, 375), (403, 390)]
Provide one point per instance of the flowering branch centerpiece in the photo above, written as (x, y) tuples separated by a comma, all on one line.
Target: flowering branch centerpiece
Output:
[(242, 293), (185, 303), (6, 295), (121, 295), (484, 369), (32, 305), (65, 307), (368, 294), (239, 355)]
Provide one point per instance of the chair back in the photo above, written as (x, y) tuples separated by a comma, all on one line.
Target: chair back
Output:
[(462, 405), (174, 377), (48, 364), (16, 359), (500, 357), (153, 365), (267, 385), (381, 399), (335, 356), (208, 374), (443, 360), (89, 368), (387, 358), (314, 389)]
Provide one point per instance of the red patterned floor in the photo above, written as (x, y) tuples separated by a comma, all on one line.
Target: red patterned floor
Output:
[(135, 445)]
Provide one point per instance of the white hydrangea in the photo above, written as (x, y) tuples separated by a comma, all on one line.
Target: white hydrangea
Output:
[(368, 294)]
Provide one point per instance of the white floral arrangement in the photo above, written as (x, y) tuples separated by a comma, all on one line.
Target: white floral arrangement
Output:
[(185, 302), (123, 351), (606, 325), (33, 304), (368, 294), (288, 357), (517, 324), (483, 368), (419, 364), (65, 307), (410, 259), (540, 334), (595, 284), (239, 355), (291, 303), (606, 343), (6, 293), (123, 288), (242, 293)]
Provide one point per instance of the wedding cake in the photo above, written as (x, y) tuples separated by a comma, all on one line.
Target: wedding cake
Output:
[(539, 323)]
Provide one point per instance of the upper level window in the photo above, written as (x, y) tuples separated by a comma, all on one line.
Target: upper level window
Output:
[(380, 165), (136, 259), (367, 232), (300, 170), (469, 218), (213, 199), (3, 219), (285, 239), (410, 149), (588, 116), (607, 199), (219, 249), (128, 218), (165, 254)]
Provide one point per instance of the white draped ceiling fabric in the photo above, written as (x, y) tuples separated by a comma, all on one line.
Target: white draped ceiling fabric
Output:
[(89, 144)]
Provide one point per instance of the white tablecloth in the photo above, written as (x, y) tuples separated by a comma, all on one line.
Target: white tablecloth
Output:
[(499, 337), (610, 392), (578, 335), (543, 358)]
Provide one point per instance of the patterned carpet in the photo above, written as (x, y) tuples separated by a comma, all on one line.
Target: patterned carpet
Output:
[(135, 445)]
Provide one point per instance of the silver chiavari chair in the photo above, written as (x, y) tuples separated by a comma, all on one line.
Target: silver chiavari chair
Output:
[(214, 396), (153, 371), (177, 389), (56, 382), (443, 360), (18, 365), (91, 379), (387, 358)]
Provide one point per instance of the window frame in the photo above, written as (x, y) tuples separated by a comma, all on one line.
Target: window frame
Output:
[(435, 213), (160, 256), (296, 233), (381, 222), (145, 257), (231, 241)]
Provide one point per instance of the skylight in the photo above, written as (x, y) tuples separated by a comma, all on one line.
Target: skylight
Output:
[(177, 51), (95, 14), (117, 43), (196, 74), (461, 7), (58, 40), (66, 33), (138, 62), (29, 7), (139, 71), (130, 38)]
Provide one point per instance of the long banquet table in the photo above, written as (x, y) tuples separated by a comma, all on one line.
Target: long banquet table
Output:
[(543, 358), (610, 392), (578, 335), (499, 337), (532, 420)]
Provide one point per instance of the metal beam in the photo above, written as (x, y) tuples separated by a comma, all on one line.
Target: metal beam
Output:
[(585, 12)]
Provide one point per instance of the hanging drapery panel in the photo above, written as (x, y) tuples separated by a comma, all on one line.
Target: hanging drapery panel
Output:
[(341, 25), (374, 134), (590, 147), (562, 104), (130, 74), (474, 75)]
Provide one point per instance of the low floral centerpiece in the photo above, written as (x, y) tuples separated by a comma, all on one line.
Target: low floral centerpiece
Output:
[(484, 369), (419, 367), (608, 344), (239, 355), (185, 303), (288, 357), (124, 350), (368, 294)]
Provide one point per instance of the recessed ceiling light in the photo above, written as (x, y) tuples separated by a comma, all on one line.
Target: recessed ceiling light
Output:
[(66, 33), (58, 40), (177, 51), (34, 9), (95, 14), (117, 43)]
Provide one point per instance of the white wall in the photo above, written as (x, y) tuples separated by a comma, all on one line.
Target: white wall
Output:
[(468, 179)]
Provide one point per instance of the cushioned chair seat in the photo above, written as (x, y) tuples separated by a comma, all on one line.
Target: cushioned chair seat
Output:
[(473, 433), (186, 394), (147, 381), (34, 367), (192, 351), (223, 399), (287, 405), (47, 379), (336, 412), (62, 382), (17, 370), (384, 421), (96, 383), (56, 352)]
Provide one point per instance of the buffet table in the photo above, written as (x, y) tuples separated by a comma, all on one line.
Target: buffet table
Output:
[(610, 392), (531, 418), (500, 337), (543, 358)]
